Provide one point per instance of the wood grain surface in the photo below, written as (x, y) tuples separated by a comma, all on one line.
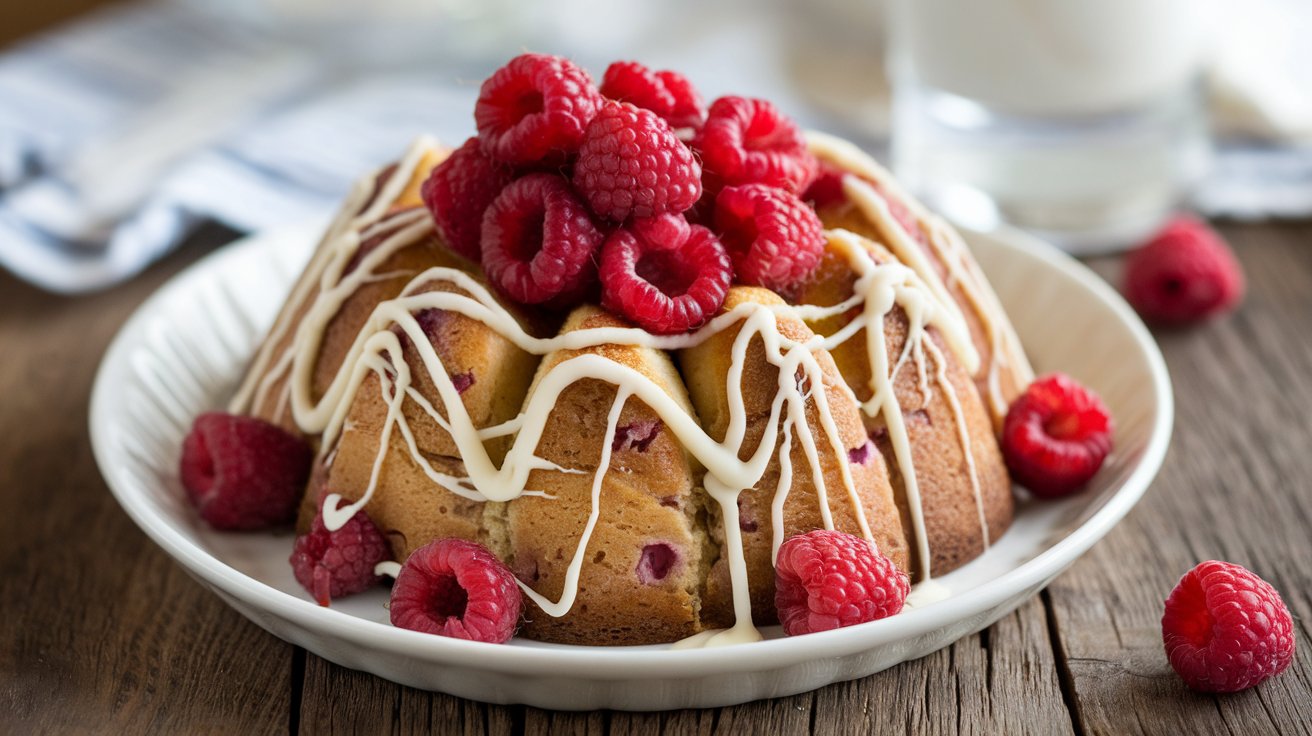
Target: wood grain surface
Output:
[(102, 632)]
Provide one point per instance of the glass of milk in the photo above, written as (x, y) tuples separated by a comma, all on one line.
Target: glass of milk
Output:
[(1079, 120)]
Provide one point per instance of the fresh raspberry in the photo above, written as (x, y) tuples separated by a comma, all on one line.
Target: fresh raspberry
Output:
[(663, 232), (242, 472), (1056, 436), (668, 94), (830, 579), (748, 141), (335, 564), (665, 289), (459, 191), (1225, 629), (451, 587), (826, 189), (539, 242), (774, 239), (630, 164), (1185, 273), (535, 109)]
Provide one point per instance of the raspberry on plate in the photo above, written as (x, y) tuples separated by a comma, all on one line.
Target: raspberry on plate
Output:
[(458, 192), (1184, 274), (243, 473), (535, 109), (631, 165), (455, 588), (668, 94), (1225, 629), (339, 563), (774, 239), (539, 242), (748, 141), (664, 288), (1056, 436), (829, 579)]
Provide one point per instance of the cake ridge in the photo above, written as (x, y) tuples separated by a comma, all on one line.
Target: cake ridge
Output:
[(1005, 358)]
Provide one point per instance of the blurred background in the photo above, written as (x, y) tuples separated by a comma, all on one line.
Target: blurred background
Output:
[(126, 125)]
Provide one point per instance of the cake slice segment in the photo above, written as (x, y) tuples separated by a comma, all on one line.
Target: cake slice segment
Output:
[(875, 206), (804, 486), (420, 488), (637, 575), (961, 499)]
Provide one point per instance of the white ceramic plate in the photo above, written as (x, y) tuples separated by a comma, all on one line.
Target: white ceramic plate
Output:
[(185, 348)]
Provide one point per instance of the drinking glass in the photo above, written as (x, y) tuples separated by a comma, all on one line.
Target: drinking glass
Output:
[(1080, 121)]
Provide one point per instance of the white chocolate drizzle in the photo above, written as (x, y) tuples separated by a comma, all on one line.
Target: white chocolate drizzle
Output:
[(377, 350), (1005, 353)]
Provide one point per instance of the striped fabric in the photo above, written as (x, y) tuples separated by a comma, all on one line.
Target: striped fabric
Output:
[(67, 97)]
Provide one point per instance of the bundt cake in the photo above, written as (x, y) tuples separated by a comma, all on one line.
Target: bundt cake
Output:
[(447, 411), (639, 482)]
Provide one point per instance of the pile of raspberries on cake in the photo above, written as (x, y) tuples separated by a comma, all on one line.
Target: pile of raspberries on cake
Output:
[(634, 193)]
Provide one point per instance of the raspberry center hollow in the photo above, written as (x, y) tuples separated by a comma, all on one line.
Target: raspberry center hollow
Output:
[(448, 599)]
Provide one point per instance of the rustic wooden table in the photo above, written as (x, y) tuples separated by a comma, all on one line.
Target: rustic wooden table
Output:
[(102, 632)]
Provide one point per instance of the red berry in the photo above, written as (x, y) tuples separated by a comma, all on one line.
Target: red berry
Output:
[(242, 472), (630, 164), (748, 141), (1183, 274), (539, 242), (668, 94), (459, 589), (826, 189), (534, 109), (774, 239), (665, 289), (829, 579), (663, 232), (459, 191), (1225, 629), (1056, 436), (336, 564)]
